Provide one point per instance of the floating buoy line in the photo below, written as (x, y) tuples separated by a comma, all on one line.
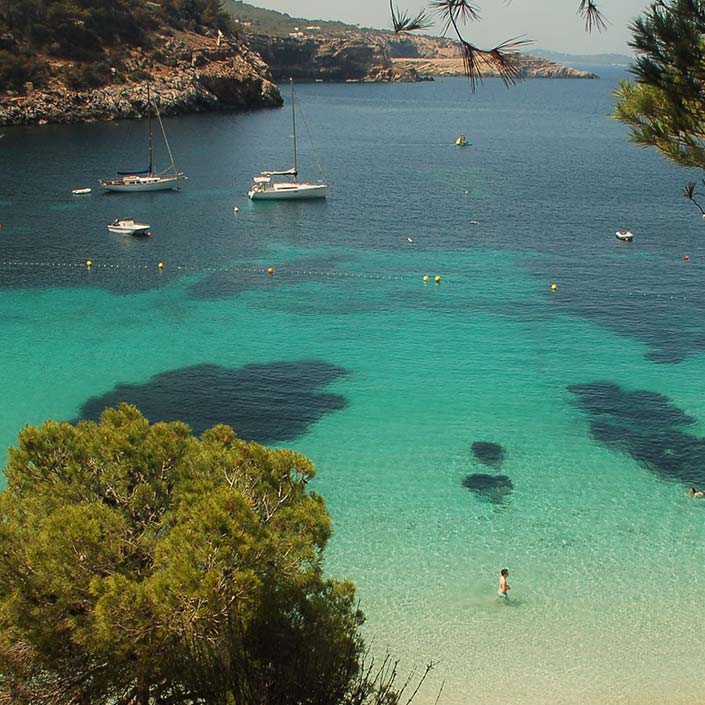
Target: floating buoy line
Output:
[(162, 265), (271, 272)]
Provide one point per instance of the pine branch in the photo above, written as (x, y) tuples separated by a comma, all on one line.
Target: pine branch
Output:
[(690, 193), (403, 22), (593, 17)]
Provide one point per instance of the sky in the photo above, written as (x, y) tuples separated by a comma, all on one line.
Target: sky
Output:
[(551, 24)]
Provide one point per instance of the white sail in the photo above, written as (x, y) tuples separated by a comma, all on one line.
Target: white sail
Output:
[(149, 179), (264, 189)]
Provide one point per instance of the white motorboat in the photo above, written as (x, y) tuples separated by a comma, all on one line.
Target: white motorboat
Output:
[(264, 189), (128, 226), (80, 191), (147, 179), (624, 235)]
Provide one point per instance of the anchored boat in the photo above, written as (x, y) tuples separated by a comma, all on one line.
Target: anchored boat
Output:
[(624, 235), (147, 179), (128, 226), (264, 189)]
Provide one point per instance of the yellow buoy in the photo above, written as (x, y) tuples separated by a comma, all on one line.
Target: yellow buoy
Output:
[(270, 270), (160, 265), (437, 279), (554, 287), (89, 263), (425, 279)]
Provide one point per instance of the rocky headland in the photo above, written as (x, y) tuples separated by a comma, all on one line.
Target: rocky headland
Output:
[(437, 56), (528, 66), (376, 56), (186, 72), (350, 56), (80, 69)]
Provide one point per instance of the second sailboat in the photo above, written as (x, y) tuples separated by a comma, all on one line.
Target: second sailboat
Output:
[(264, 188)]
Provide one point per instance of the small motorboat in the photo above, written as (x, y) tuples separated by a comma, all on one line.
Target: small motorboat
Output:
[(128, 226), (80, 191), (625, 235)]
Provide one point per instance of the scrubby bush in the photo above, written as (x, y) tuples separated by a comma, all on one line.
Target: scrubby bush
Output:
[(16, 70), (139, 76), (83, 77)]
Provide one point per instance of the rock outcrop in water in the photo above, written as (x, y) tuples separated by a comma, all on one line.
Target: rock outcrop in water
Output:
[(187, 72)]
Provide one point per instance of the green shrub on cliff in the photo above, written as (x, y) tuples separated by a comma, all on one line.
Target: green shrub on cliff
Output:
[(86, 76), (16, 71)]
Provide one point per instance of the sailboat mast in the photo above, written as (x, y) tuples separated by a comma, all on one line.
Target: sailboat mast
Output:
[(293, 121), (149, 131)]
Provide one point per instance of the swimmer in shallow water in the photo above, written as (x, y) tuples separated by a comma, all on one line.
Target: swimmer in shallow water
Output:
[(504, 586), (692, 492)]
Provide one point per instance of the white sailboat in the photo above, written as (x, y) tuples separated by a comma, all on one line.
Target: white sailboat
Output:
[(147, 179), (264, 189)]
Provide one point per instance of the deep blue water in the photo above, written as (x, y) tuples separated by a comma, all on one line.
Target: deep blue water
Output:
[(592, 395)]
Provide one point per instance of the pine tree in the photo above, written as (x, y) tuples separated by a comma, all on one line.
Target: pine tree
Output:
[(141, 565), (665, 107)]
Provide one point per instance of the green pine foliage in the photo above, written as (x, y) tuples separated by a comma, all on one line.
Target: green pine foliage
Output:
[(665, 108), (140, 564)]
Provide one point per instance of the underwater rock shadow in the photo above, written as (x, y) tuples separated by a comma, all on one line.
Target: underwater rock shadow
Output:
[(494, 488), (490, 454), (266, 403), (647, 426)]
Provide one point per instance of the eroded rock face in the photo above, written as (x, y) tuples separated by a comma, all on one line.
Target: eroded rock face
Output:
[(529, 67), (190, 73), (438, 56), (335, 58)]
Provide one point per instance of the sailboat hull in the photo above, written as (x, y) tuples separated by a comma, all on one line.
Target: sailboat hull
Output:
[(287, 192), (147, 183)]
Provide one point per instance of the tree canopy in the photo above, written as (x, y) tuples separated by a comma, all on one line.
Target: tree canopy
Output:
[(140, 564), (665, 108)]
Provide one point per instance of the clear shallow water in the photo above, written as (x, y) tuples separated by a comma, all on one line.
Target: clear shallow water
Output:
[(345, 355)]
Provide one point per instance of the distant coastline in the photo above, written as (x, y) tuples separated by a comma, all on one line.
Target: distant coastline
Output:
[(529, 67), (194, 69)]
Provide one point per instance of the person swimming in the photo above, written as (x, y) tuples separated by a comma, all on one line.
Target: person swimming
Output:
[(692, 492), (504, 586)]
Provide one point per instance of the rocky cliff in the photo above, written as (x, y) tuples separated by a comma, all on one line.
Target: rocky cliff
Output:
[(186, 71), (345, 57), (380, 56), (529, 67), (437, 56)]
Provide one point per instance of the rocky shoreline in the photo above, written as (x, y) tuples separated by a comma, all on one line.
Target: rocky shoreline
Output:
[(348, 57), (189, 72), (194, 73), (529, 67)]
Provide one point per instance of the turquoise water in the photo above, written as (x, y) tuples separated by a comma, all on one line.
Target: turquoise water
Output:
[(595, 391)]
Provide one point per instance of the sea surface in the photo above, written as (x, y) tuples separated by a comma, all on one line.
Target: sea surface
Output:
[(459, 428)]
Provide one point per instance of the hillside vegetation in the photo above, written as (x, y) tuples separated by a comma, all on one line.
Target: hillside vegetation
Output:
[(257, 20), (37, 37)]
